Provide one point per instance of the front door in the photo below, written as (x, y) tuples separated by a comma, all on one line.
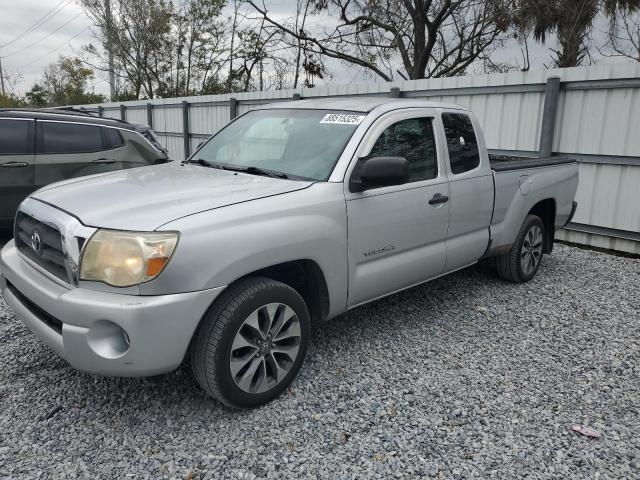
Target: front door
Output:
[(396, 236), (16, 166)]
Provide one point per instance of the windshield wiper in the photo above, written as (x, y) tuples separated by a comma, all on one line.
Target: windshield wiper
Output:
[(255, 171), (235, 168), (201, 161)]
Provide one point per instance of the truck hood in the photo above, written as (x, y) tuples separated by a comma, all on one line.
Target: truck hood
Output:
[(146, 198)]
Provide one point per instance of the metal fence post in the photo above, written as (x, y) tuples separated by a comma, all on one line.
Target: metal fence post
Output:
[(551, 94), (233, 108), (185, 129), (100, 111), (297, 96), (150, 115), (394, 92), (123, 113)]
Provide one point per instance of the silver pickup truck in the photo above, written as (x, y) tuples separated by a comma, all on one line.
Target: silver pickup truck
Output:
[(292, 214)]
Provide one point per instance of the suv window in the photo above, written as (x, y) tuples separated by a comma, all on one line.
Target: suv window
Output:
[(461, 142), (414, 140), (111, 138), (54, 137), (15, 137)]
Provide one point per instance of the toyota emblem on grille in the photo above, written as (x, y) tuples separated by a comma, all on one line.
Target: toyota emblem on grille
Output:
[(36, 243)]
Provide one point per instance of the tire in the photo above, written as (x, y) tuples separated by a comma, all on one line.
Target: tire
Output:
[(259, 328), (529, 244)]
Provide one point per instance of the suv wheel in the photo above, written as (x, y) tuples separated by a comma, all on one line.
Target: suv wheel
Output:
[(251, 343), (521, 263)]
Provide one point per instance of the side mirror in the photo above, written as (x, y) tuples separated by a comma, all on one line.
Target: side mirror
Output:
[(379, 172)]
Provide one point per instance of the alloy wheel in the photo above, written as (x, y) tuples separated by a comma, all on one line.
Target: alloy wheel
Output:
[(265, 348), (531, 252)]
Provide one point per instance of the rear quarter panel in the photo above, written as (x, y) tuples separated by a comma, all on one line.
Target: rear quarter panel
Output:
[(517, 191)]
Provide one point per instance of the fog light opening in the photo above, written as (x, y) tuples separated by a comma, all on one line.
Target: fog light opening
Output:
[(108, 340)]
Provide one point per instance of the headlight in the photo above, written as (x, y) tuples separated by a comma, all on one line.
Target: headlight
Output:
[(123, 259)]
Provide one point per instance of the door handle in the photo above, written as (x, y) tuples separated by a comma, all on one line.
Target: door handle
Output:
[(104, 160), (14, 165), (438, 198)]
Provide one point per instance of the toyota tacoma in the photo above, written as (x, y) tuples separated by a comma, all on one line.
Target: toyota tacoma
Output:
[(292, 214)]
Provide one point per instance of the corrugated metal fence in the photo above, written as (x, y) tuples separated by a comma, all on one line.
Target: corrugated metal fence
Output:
[(589, 113)]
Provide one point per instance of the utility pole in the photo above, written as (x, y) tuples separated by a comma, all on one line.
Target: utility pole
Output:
[(112, 75), (2, 78)]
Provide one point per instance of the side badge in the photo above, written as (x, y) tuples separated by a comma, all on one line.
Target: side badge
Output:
[(379, 251)]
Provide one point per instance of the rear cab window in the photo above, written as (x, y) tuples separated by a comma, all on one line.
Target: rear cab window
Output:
[(16, 137), (462, 143)]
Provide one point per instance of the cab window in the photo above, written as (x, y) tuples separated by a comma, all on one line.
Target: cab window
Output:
[(461, 142), (414, 140)]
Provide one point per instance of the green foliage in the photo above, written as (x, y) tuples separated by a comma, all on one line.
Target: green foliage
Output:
[(37, 96), (11, 100), (64, 82)]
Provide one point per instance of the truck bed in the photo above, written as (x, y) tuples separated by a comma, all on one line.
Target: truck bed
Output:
[(502, 163)]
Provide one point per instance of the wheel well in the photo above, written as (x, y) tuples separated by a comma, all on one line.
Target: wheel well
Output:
[(307, 278), (546, 210)]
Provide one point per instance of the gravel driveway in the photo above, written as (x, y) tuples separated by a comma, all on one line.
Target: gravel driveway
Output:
[(467, 376)]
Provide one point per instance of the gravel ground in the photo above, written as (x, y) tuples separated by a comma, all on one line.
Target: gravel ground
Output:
[(467, 376)]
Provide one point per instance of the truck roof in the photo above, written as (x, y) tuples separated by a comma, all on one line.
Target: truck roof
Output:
[(362, 103)]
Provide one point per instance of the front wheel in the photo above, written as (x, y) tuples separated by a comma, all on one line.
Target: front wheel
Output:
[(522, 261), (252, 343)]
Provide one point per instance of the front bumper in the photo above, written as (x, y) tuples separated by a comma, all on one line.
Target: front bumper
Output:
[(86, 327)]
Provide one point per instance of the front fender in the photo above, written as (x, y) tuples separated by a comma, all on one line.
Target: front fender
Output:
[(219, 246)]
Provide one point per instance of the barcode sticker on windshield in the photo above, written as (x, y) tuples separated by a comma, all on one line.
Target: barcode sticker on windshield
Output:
[(342, 119)]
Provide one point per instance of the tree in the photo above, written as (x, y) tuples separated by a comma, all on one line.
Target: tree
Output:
[(64, 82), (431, 38), (624, 36), (37, 96), (138, 33), (166, 49), (198, 46), (11, 100), (571, 20)]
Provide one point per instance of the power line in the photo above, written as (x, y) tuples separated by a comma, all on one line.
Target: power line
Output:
[(43, 38), (54, 50), (45, 18)]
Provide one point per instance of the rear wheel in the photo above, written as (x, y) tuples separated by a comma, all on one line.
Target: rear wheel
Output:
[(252, 343), (520, 264)]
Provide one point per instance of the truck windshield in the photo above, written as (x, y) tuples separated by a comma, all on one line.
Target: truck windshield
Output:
[(299, 143)]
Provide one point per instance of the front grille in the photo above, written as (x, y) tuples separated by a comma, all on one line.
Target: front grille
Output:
[(50, 321), (42, 244)]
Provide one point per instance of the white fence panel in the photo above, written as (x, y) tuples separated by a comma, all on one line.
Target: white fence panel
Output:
[(207, 119), (137, 115)]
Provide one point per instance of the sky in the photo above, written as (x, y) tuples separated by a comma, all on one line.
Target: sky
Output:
[(67, 28), (59, 27)]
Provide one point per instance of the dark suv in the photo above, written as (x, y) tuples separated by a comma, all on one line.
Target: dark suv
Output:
[(38, 147)]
